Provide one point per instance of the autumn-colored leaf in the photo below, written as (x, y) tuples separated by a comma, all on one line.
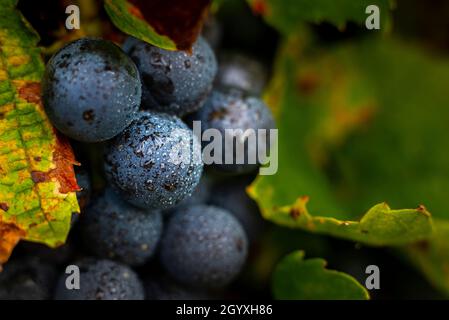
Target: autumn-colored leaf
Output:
[(37, 181), (169, 24)]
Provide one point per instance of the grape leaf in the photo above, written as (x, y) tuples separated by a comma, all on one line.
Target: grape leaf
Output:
[(432, 257), (297, 279), (380, 226), (407, 157), (319, 98), (169, 24), (37, 181), (287, 15)]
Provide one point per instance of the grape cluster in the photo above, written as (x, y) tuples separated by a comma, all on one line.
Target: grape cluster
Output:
[(152, 210)]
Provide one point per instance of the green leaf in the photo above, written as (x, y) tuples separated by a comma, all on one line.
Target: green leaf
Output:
[(37, 181), (375, 112), (432, 256), (287, 15), (380, 226), (401, 155), (407, 158), (127, 18), (297, 279), (319, 98), (171, 25)]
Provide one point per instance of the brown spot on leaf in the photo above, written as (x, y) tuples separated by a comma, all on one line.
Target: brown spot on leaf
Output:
[(259, 7), (63, 172), (39, 176), (300, 207), (38, 159), (423, 246), (179, 20), (421, 208), (4, 206), (295, 213), (135, 12), (308, 83), (31, 92)]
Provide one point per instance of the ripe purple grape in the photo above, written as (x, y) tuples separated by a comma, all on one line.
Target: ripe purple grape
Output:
[(102, 280), (91, 90), (114, 229), (174, 82), (203, 246), (156, 162), (233, 110)]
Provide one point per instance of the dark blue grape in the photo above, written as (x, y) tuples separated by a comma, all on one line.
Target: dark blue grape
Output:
[(91, 90), (174, 82), (156, 162), (114, 229), (102, 280), (203, 246), (232, 109), (231, 195), (27, 279), (241, 72)]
